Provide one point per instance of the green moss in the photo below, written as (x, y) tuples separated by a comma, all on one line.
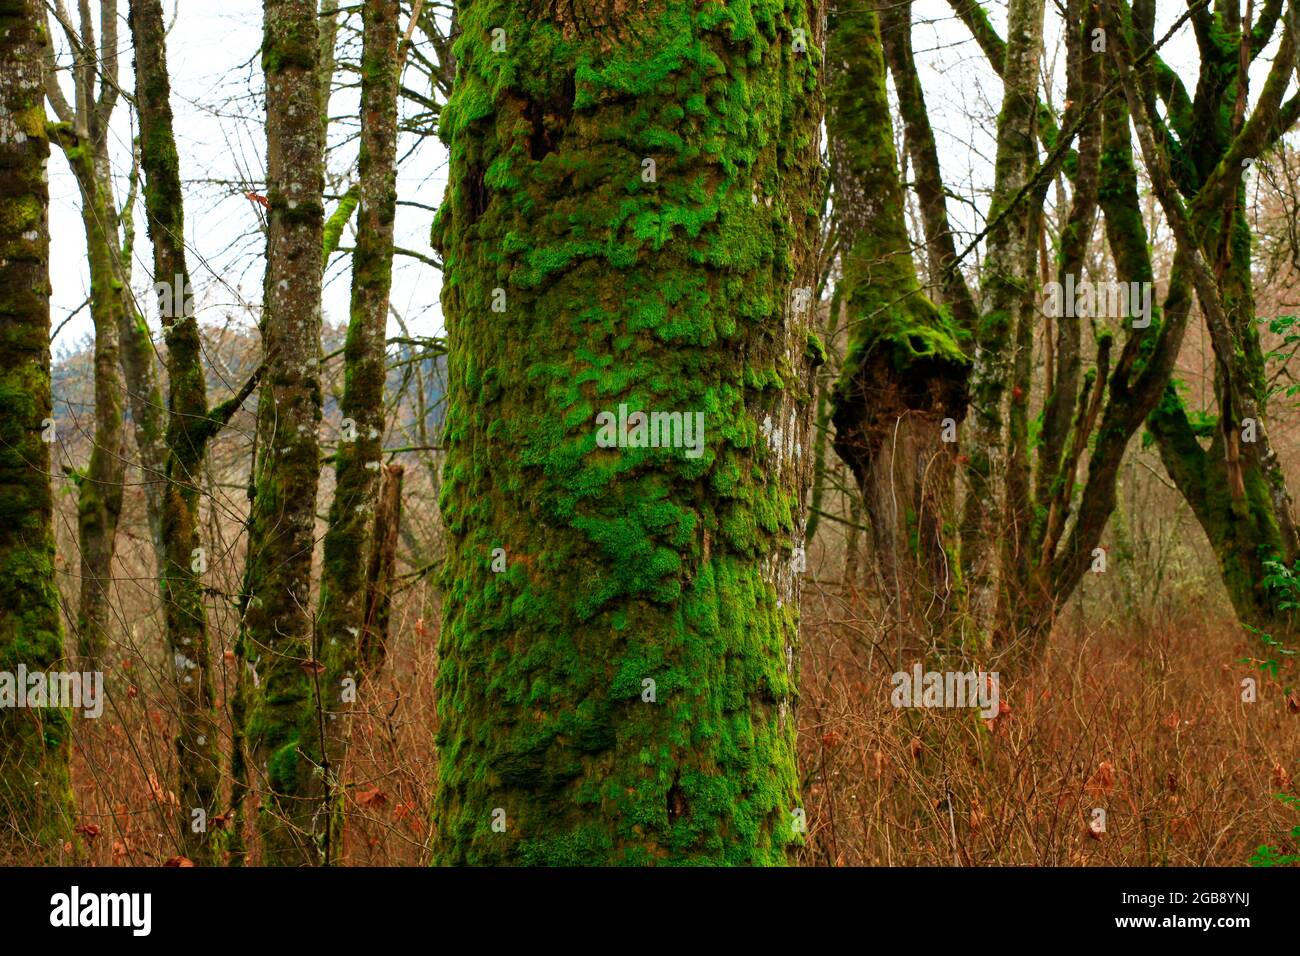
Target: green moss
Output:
[(626, 563), (338, 220), (36, 808), (890, 319)]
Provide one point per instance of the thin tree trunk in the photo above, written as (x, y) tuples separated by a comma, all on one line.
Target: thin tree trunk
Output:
[(1027, 600), (1007, 298), (83, 136), (277, 636), (144, 394), (99, 486), (139, 366), (381, 567), (36, 810), (343, 628), (189, 427)]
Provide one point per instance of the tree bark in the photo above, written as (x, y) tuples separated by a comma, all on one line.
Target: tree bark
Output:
[(344, 627), (1006, 300), (634, 187), (188, 428), (36, 809), (277, 637), (1235, 487), (905, 370), (99, 486), (83, 136)]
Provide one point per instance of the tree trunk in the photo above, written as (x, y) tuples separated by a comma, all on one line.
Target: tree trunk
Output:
[(1007, 300), (148, 411), (343, 627), (277, 638), (1235, 487), (633, 191), (83, 136), (35, 790), (188, 429), (905, 371), (99, 486)]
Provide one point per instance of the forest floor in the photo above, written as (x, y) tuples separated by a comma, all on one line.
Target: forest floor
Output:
[(1129, 745)]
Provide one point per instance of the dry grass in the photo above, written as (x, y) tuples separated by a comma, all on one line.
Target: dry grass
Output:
[(1136, 710), (1148, 726)]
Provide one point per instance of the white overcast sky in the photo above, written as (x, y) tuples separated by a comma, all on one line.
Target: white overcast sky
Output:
[(216, 79)]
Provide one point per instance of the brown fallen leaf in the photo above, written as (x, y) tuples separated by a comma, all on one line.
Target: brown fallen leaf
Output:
[(1102, 781), (1281, 778)]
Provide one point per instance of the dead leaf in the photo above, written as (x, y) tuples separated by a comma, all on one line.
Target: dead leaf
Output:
[(87, 830), (1102, 781), (1281, 779), (159, 794)]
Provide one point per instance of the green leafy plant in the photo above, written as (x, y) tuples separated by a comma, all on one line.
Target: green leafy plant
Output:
[(1266, 855), (1285, 582)]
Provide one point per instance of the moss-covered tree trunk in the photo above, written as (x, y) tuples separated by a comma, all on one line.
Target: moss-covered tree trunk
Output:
[(905, 371), (99, 485), (633, 188), (1197, 154), (941, 252), (1007, 284), (277, 633), (1234, 484), (344, 628), (35, 789), (1036, 518), (82, 133), (188, 428)]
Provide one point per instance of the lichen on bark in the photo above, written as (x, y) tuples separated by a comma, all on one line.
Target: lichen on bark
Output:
[(276, 639), (187, 429)]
